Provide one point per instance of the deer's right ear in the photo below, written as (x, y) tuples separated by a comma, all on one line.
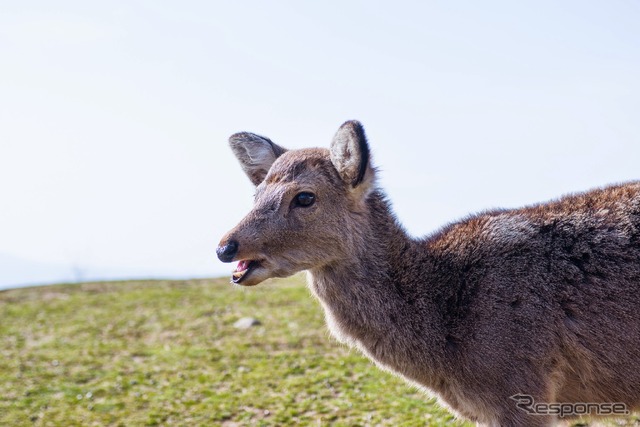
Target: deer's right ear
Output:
[(255, 153)]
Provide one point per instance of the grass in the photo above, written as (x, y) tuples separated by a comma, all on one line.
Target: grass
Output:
[(150, 353)]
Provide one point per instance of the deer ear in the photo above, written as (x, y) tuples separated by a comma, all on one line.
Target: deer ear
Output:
[(350, 153), (255, 153)]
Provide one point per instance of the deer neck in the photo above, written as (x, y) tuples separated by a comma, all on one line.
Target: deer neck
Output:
[(371, 298)]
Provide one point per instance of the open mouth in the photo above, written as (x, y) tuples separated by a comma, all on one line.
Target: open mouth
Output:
[(244, 268)]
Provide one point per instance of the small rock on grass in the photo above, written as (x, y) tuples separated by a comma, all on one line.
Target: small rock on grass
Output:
[(246, 323)]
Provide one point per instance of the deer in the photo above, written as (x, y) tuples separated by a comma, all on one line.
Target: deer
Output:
[(510, 317)]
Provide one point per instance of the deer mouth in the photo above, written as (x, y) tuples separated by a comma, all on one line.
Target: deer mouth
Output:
[(244, 268)]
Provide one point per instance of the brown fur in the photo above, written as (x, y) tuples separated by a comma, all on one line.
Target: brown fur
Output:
[(543, 300)]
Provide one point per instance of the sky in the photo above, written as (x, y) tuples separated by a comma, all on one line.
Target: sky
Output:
[(114, 116)]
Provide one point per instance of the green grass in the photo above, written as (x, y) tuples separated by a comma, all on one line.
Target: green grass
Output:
[(152, 353)]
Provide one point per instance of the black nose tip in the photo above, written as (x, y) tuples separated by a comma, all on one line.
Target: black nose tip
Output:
[(227, 252)]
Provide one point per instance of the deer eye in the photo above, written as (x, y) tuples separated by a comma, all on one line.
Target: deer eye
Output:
[(304, 199)]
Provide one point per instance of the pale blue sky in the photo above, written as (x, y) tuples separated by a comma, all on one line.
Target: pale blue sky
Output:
[(114, 115)]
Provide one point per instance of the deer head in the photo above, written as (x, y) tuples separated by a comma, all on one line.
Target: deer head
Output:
[(308, 206)]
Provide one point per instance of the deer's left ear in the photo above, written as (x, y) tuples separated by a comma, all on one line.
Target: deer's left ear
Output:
[(255, 153), (350, 154)]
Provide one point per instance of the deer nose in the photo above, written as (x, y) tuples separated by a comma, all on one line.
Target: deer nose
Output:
[(227, 252)]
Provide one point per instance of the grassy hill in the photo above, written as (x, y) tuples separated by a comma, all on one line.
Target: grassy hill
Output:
[(167, 353)]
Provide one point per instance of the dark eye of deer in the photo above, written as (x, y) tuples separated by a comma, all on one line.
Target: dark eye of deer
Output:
[(305, 199)]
